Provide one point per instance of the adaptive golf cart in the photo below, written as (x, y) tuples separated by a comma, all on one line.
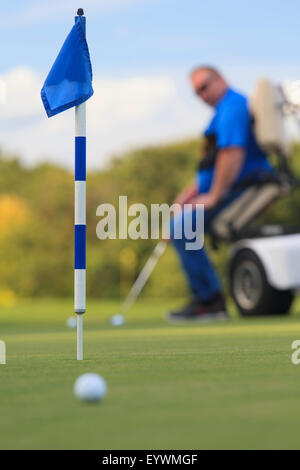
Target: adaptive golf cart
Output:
[(264, 266)]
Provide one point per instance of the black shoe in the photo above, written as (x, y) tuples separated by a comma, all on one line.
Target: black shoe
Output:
[(198, 310)]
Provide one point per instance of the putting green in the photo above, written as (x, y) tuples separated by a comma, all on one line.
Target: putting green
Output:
[(224, 385)]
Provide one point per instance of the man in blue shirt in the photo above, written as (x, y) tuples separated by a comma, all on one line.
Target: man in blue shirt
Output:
[(231, 154)]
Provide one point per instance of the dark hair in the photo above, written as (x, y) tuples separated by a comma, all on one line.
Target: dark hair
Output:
[(209, 68)]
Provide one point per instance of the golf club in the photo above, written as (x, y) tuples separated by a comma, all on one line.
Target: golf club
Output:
[(139, 283)]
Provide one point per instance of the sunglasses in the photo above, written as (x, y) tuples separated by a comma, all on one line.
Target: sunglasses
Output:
[(205, 85)]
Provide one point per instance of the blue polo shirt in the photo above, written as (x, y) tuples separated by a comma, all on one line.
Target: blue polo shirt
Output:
[(231, 126)]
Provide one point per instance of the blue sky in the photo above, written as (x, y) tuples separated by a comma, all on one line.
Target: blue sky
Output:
[(149, 35), (154, 40)]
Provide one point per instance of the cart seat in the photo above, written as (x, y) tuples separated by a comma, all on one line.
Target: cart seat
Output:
[(250, 202)]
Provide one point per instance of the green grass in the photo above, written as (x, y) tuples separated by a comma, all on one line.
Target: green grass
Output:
[(216, 386)]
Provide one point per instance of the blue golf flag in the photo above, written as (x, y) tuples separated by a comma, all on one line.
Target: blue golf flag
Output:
[(69, 82)]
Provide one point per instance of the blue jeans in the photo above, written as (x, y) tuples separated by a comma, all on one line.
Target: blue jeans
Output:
[(201, 275)]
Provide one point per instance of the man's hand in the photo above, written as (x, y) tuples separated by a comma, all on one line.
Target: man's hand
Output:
[(186, 195), (209, 200)]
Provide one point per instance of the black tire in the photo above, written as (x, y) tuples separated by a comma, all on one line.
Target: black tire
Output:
[(282, 301), (251, 292)]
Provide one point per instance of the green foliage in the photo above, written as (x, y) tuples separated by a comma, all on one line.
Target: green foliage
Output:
[(36, 250)]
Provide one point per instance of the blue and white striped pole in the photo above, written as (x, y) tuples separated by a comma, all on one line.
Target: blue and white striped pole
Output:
[(80, 217)]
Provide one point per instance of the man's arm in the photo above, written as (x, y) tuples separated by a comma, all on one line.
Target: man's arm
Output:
[(186, 195), (228, 165)]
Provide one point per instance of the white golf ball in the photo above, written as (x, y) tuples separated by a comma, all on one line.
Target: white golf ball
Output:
[(117, 320), (72, 323), (90, 387)]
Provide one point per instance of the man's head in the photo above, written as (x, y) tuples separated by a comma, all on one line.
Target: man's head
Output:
[(208, 84)]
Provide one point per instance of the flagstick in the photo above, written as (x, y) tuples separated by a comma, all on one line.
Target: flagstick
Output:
[(80, 218), (79, 337)]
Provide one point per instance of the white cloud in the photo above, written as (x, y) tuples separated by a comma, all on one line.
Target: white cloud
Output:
[(22, 99), (123, 113), (122, 101)]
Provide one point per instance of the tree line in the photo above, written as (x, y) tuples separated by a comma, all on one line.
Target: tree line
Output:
[(37, 217)]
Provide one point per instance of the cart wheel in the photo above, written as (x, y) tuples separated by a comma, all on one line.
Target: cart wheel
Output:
[(282, 301), (250, 289)]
